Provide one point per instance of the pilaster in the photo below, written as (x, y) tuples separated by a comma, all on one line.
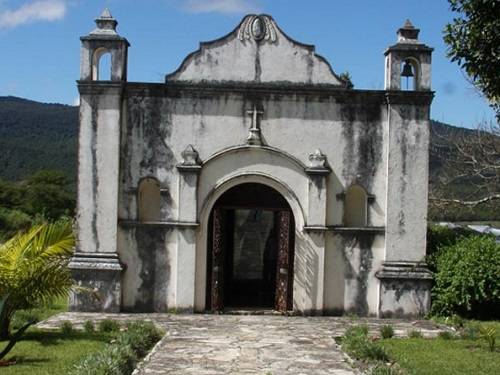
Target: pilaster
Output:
[(318, 172), (189, 170)]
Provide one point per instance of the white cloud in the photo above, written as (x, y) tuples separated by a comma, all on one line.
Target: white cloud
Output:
[(76, 102), (39, 10), (221, 6)]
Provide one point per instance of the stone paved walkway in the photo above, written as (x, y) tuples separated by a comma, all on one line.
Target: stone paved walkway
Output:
[(247, 344)]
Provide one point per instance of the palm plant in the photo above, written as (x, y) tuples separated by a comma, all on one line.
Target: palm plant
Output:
[(33, 272)]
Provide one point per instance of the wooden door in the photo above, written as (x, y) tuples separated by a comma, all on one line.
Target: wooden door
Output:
[(283, 282), (217, 272)]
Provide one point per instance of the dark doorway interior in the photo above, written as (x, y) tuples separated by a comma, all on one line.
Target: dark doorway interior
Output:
[(244, 250), (250, 264)]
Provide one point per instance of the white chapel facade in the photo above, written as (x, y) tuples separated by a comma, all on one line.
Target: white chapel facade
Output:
[(254, 177)]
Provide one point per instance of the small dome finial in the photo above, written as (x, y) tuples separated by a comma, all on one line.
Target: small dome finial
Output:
[(106, 24), (408, 24), (106, 13), (408, 33)]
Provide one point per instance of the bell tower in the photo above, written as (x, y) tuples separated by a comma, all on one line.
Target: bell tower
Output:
[(101, 41), (96, 264), (408, 60), (408, 130)]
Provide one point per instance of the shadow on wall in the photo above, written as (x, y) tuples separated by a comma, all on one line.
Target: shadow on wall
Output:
[(414, 294), (306, 274), (154, 268), (357, 255)]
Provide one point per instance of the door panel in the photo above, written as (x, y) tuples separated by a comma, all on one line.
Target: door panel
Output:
[(250, 250), (217, 287), (283, 285)]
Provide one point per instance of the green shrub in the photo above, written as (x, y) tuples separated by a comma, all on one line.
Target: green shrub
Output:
[(352, 316), (357, 344), (114, 360), (490, 335), (470, 331), (360, 329), (108, 325), (439, 237), (383, 369), (67, 327), (22, 317), (121, 356), (415, 334), (141, 337), (446, 335), (457, 321), (373, 351), (466, 281), (387, 332), (88, 326)]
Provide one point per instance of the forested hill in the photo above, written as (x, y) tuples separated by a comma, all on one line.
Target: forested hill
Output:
[(36, 136)]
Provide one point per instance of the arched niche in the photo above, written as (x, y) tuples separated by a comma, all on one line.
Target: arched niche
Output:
[(101, 65), (355, 207), (149, 200)]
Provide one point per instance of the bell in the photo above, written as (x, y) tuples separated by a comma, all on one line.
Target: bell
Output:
[(407, 70)]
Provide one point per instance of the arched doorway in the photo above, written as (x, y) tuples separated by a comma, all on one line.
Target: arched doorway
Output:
[(250, 250)]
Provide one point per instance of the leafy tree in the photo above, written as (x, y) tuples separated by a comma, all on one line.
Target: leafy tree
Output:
[(11, 195), (11, 221), (45, 195), (473, 39), (48, 177), (466, 281), (346, 77), (48, 195), (33, 272)]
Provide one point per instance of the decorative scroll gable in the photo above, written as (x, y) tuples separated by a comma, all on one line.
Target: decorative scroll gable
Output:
[(257, 51)]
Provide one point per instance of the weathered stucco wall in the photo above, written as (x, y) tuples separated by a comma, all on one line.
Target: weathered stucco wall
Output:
[(352, 137), (352, 260)]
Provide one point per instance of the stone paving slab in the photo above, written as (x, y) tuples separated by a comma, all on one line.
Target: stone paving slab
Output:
[(247, 344)]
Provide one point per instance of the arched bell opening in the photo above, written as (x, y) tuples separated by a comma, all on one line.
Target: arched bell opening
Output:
[(101, 65), (250, 250), (409, 74)]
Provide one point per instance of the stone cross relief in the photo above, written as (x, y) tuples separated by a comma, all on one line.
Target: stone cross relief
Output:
[(254, 137)]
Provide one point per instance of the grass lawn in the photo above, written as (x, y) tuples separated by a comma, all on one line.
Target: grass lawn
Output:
[(45, 352), (56, 307), (438, 356), (52, 353)]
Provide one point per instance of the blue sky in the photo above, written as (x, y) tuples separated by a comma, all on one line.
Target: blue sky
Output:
[(40, 43)]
